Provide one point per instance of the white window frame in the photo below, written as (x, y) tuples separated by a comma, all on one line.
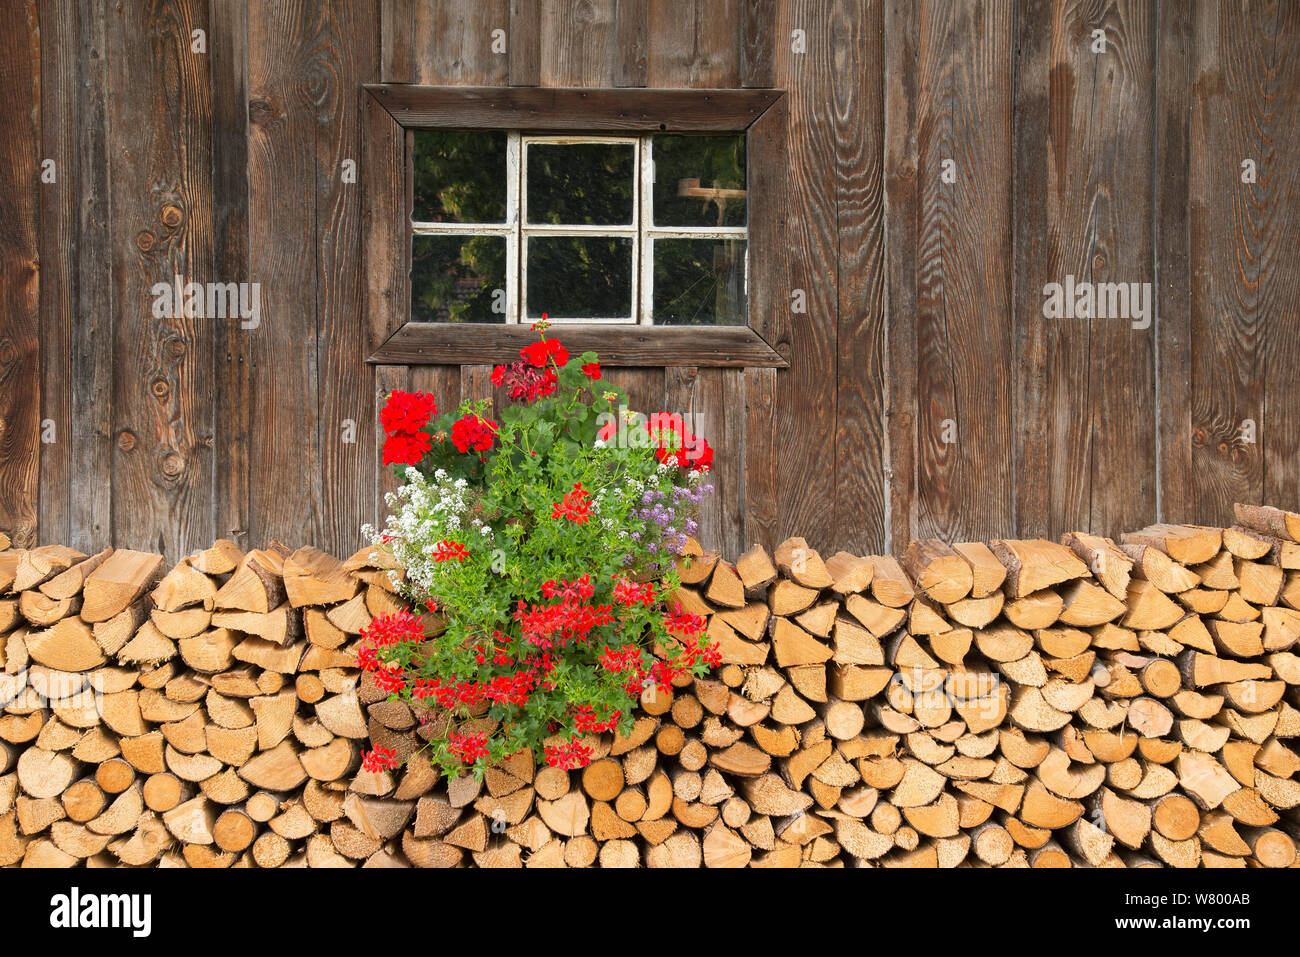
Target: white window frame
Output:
[(641, 230)]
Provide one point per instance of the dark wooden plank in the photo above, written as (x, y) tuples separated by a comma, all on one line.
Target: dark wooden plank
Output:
[(1174, 281), (1275, 212), (161, 227), (397, 42), (476, 384), (694, 43), (228, 46), (964, 334), (860, 493), (60, 80), (556, 108), (758, 39), (389, 379), (425, 343), (453, 42), (1232, 250), (349, 56), (93, 441), (20, 370), (578, 43), (1086, 428), (768, 181), (901, 214), (386, 234), (762, 476), (631, 40), (525, 43), (806, 394), (285, 51), (1119, 88)]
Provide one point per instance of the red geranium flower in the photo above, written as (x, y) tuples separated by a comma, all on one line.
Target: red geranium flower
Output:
[(576, 506), (380, 759), (446, 550), (473, 432), (568, 757), (407, 412), (591, 370), (538, 353), (402, 448)]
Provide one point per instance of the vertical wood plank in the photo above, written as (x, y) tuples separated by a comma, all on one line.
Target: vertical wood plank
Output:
[(758, 39), (963, 248), (577, 45), (762, 476), (631, 40), (284, 53), (901, 214), (388, 379), (1234, 249), (161, 228), (59, 36), (1173, 271), (397, 42), (453, 43), (348, 469), (694, 43), (20, 319), (91, 490), (228, 42), (860, 495), (525, 43), (806, 393)]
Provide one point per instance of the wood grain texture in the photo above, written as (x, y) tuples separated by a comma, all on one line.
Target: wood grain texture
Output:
[(347, 466), (453, 43), (287, 46), (762, 471), (387, 380), (161, 227), (1087, 213), (577, 42), (631, 28), (964, 342), (228, 37), (1172, 254), (858, 124), (806, 394), (901, 217), (694, 43), (59, 75), (20, 331), (758, 40)]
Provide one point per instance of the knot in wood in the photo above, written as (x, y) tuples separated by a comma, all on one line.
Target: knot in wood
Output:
[(171, 215), (144, 240), (172, 464), (160, 388), (125, 440)]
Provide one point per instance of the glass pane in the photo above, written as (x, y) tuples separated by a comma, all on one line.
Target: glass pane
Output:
[(579, 277), (460, 177), (699, 282), (699, 180), (581, 184), (458, 278)]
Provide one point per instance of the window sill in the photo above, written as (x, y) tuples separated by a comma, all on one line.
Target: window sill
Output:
[(452, 343)]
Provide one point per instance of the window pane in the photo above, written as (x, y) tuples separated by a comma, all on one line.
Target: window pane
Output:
[(699, 282), (699, 167), (460, 177), (458, 278), (579, 277), (581, 184)]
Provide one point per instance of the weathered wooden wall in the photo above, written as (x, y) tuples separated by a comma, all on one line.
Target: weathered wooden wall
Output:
[(927, 395)]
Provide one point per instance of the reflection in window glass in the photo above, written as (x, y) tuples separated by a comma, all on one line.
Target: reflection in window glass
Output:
[(699, 282), (460, 176), (579, 277), (458, 278), (581, 184), (699, 180)]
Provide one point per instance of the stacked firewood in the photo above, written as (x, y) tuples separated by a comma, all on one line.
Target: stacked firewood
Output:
[(1009, 704)]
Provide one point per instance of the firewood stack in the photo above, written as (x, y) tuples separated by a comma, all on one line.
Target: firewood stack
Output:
[(1086, 703)]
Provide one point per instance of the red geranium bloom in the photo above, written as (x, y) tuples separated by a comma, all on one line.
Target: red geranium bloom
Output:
[(473, 432), (406, 412), (468, 748), (568, 757), (498, 375), (393, 628), (538, 353), (591, 370), (446, 550), (576, 506), (380, 759), (402, 448)]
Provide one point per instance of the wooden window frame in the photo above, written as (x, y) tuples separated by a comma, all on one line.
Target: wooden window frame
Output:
[(390, 112)]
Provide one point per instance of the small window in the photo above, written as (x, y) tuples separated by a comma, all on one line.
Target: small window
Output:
[(614, 229)]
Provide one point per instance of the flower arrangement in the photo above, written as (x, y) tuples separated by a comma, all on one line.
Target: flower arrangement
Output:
[(545, 543)]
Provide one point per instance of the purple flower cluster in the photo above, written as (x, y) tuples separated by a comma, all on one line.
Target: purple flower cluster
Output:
[(669, 518)]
